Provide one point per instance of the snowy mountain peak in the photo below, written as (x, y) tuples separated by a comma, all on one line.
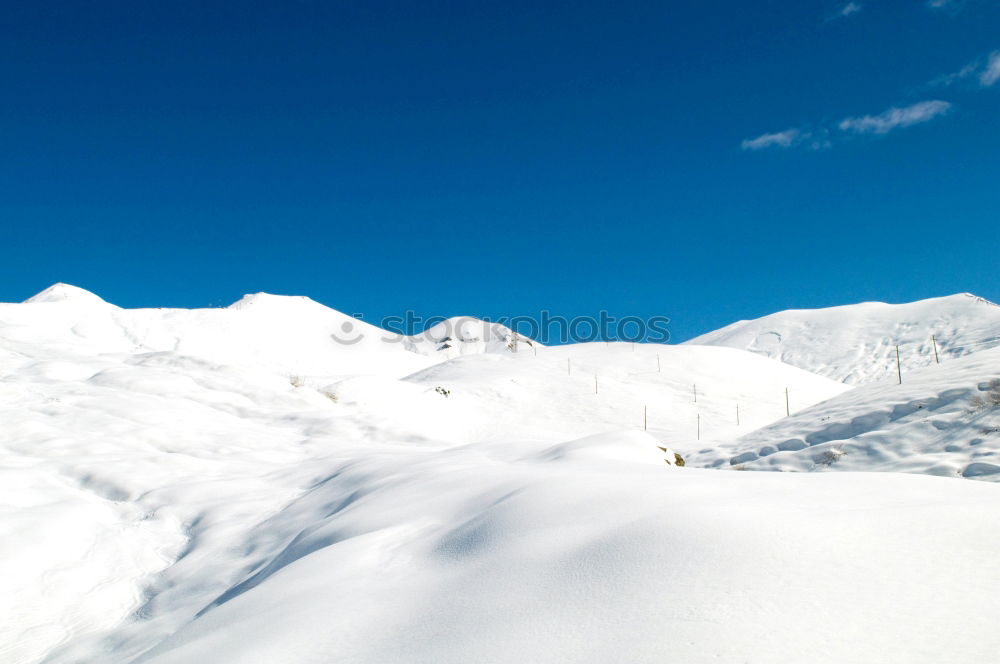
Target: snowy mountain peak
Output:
[(858, 343), (979, 300), (61, 292), (257, 300)]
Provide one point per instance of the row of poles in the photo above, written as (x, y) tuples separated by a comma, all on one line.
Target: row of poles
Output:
[(899, 365), (788, 411), (694, 388)]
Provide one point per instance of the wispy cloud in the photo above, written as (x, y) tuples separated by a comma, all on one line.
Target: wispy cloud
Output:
[(780, 139), (825, 137), (991, 72), (845, 11), (895, 118), (850, 8), (962, 74), (984, 71), (790, 138), (945, 5)]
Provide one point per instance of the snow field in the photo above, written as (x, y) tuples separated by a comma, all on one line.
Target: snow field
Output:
[(236, 485)]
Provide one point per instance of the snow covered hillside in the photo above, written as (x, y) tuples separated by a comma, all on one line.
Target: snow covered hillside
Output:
[(857, 343), (678, 393), (243, 486), (292, 335), (456, 557), (942, 420), (289, 335), (464, 335)]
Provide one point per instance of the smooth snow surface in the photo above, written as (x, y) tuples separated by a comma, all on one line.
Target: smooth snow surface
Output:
[(289, 335), (857, 343), (236, 486), (464, 335)]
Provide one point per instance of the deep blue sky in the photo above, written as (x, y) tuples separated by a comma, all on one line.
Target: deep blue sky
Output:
[(502, 158)]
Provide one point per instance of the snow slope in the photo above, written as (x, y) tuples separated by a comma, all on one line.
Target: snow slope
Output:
[(578, 390), (464, 335), (857, 343), (169, 494), (456, 557), (931, 424), (291, 335)]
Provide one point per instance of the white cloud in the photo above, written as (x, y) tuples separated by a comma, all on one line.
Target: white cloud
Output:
[(991, 72), (895, 118), (883, 123), (845, 11), (850, 8), (960, 75), (953, 7), (781, 139), (985, 71), (788, 139)]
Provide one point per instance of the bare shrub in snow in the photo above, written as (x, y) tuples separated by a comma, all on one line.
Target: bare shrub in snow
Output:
[(990, 399), (830, 457)]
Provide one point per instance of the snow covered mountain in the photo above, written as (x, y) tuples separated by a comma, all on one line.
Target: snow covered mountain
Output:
[(238, 486), (944, 420), (857, 343), (292, 335), (684, 396), (464, 335)]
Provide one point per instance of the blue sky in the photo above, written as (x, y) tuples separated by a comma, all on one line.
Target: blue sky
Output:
[(707, 161)]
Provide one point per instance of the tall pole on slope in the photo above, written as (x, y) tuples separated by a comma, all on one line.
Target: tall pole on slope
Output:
[(937, 360), (899, 370), (788, 410), (595, 383), (658, 363), (699, 426), (737, 414), (696, 393), (569, 372)]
